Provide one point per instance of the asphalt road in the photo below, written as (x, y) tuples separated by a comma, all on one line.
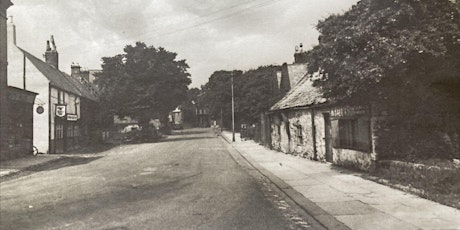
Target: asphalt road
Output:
[(187, 181)]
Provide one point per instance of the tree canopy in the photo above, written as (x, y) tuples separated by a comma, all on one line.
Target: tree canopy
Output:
[(143, 83), (255, 91), (402, 56), (376, 39)]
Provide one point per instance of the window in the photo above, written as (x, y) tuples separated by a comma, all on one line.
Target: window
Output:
[(70, 130), (59, 131), (299, 134), (353, 133), (76, 131)]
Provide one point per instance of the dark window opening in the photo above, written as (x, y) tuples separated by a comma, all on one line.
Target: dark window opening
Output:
[(353, 134), (299, 134)]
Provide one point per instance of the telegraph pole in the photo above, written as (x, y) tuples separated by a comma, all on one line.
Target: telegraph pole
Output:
[(233, 113)]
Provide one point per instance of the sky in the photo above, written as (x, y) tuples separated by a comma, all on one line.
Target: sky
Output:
[(210, 35)]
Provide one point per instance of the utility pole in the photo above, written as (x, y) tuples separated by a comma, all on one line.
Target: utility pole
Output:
[(221, 121), (233, 113)]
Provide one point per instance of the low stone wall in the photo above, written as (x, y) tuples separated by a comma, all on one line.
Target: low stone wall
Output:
[(419, 174), (354, 159)]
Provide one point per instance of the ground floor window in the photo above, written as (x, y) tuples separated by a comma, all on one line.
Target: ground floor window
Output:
[(299, 134), (59, 131), (352, 133), (76, 130), (69, 130)]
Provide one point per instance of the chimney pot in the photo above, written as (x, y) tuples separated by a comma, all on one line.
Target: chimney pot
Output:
[(51, 55)]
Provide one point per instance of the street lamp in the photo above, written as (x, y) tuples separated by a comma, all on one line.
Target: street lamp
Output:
[(233, 113)]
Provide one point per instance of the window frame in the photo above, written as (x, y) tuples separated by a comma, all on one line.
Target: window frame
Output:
[(353, 133)]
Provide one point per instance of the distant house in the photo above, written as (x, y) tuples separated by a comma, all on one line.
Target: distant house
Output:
[(65, 106), (303, 123)]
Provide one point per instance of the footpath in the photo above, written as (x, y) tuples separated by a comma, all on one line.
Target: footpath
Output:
[(342, 199)]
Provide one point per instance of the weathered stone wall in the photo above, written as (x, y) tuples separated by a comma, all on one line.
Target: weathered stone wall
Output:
[(353, 158), (306, 148), (301, 118), (320, 135), (275, 138), (284, 140)]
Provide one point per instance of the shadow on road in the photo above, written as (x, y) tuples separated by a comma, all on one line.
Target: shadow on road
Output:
[(191, 131), (62, 162), (185, 138)]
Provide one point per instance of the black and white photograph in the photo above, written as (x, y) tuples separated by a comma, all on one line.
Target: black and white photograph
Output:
[(243, 114)]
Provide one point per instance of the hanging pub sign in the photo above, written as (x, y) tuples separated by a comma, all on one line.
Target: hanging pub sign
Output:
[(60, 110)]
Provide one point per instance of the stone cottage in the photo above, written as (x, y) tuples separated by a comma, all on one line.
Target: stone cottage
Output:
[(303, 123)]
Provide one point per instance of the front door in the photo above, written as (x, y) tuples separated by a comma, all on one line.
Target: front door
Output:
[(328, 136)]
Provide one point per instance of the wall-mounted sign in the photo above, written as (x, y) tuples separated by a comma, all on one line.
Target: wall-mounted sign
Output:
[(40, 109), (60, 110), (347, 111), (72, 117)]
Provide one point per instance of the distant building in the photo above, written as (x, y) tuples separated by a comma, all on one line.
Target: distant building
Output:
[(65, 107)]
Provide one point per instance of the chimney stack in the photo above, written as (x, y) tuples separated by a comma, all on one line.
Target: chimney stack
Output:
[(75, 70), (300, 55), (51, 55)]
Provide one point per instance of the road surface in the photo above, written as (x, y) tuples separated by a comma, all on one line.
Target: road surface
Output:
[(186, 181)]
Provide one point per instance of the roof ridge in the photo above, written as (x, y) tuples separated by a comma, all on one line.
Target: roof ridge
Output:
[(59, 78)]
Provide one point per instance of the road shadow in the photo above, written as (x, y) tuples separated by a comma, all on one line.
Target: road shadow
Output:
[(185, 138), (191, 131), (58, 163), (93, 149), (61, 163)]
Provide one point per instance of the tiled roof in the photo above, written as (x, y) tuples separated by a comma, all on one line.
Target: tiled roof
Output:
[(60, 79), (303, 94)]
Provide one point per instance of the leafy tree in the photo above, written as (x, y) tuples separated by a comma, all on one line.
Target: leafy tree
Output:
[(189, 105), (258, 92), (217, 95), (254, 90), (143, 83), (401, 55)]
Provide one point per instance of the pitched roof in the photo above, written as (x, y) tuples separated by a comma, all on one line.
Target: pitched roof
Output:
[(303, 94), (60, 79)]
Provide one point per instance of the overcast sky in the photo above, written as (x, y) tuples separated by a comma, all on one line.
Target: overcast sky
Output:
[(210, 34)]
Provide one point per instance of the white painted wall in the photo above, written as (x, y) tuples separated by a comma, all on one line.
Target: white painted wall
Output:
[(37, 83)]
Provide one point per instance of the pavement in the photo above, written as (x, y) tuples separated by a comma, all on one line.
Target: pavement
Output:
[(343, 199)]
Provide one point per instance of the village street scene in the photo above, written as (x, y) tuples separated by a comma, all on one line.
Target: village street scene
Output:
[(249, 114)]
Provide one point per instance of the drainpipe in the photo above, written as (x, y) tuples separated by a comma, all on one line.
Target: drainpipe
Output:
[(313, 130)]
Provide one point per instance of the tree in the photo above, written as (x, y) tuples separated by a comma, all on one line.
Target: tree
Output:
[(401, 55), (255, 92), (258, 92), (143, 83), (189, 106), (217, 95)]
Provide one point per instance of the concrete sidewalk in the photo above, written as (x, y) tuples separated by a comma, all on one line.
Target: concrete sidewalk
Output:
[(339, 198)]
